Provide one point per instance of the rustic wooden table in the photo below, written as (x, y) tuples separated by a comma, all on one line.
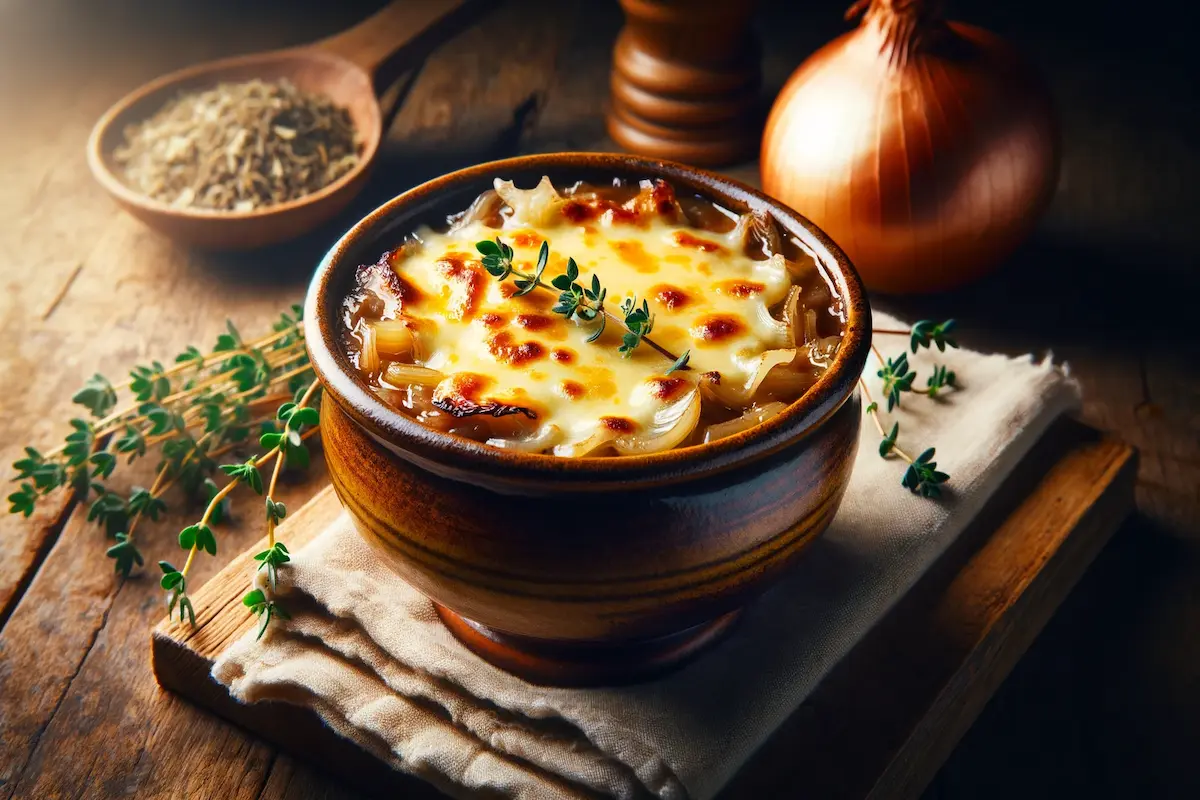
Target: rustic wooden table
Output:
[(1107, 703)]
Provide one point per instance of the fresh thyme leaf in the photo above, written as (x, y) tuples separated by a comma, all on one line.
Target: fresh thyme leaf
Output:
[(276, 511), (23, 500), (131, 441), (149, 383), (927, 332), (97, 396), (185, 606), (889, 441), (143, 504), (199, 536), (527, 285), (102, 464), (922, 476), (247, 473), (897, 379), (940, 379), (190, 356), (109, 509), (680, 362), (596, 334), (125, 555)]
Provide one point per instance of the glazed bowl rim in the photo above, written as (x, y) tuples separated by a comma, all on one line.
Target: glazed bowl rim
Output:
[(427, 447)]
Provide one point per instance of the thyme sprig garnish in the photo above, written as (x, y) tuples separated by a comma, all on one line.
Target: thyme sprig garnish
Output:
[(921, 476), (188, 414), (579, 302), (286, 445)]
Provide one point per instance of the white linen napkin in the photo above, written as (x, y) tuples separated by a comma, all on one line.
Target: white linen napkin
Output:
[(368, 653)]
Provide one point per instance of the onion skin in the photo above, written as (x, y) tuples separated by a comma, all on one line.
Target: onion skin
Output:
[(926, 149)]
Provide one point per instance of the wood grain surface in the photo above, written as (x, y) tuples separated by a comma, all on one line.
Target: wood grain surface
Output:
[(1108, 700)]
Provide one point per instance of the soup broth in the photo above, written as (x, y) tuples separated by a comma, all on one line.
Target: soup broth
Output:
[(467, 352)]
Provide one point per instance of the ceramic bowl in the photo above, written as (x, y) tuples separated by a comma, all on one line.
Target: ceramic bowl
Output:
[(584, 571)]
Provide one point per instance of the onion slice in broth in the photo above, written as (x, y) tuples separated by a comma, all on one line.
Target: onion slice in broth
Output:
[(753, 416), (757, 228), (395, 339), (368, 357), (599, 439), (545, 438), (402, 375), (485, 209), (673, 424), (735, 397)]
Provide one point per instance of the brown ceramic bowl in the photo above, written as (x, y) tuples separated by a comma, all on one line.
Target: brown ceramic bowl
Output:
[(593, 570)]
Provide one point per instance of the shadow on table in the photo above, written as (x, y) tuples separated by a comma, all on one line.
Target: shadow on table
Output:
[(1053, 293), (1106, 704)]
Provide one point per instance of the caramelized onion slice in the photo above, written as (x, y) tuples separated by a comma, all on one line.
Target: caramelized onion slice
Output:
[(793, 318), (540, 441), (779, 331), (753, 416), (537, 206), (672, 424), (485, 209), (821, 351), (757, 230), (734, 396), (810, 325), (395, 339), (402, 375), (368, 357), (599, 439)]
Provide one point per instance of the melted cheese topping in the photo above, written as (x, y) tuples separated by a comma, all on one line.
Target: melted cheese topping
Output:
[(706, 296)]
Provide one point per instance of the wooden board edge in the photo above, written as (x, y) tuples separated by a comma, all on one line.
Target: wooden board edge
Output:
[(1003, 641)]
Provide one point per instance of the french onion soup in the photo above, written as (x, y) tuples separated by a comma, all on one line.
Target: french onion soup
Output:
[(593, 320)]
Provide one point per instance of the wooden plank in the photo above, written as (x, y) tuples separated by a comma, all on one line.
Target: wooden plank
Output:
[(883, 721)]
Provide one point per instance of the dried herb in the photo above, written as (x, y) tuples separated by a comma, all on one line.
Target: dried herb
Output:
[(239, 146)]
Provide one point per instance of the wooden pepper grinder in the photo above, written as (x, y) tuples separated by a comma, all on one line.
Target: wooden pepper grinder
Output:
[(685, 81)]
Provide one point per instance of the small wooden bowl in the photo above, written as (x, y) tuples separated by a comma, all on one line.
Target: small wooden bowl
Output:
[(347, 84), (590, 571)]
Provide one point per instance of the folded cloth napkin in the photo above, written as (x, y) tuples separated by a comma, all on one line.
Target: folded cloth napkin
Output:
[(368, 654)]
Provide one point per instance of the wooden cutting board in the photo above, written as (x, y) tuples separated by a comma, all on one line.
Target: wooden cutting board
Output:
[(881, 723)]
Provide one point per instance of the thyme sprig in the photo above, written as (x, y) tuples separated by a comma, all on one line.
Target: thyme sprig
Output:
[(921, 476), (579, 302), (187, 414)]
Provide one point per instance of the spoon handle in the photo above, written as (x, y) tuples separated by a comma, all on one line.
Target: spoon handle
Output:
[(401, 31)]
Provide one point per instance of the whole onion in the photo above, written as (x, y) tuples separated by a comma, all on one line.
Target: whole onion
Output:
[(926, 149)]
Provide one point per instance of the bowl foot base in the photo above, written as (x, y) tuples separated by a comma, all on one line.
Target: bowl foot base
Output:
[(557, 662)]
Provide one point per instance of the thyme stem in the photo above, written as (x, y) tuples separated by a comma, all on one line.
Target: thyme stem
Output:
[(873, 413)]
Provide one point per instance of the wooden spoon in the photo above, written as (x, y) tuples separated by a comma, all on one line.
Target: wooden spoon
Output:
[(342, 67)]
